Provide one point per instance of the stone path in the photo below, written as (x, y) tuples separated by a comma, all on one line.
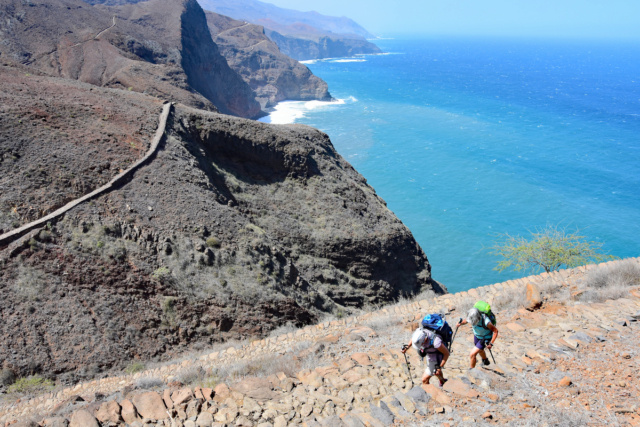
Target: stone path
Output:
[(7, 238), (369, 387)]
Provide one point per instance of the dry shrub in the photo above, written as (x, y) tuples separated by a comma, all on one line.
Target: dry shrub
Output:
[(283, 330), (611, 281), (190, 376), (383, 323), (508, 299), (149, 383)]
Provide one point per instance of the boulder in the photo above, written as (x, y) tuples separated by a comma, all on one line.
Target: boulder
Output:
[(256, 388), (181, 396), (109, 412), (128, 412), (150, 405), (460, 388), (437, 394), (221, 392), (534, 298), (381, 413), (417, 394), (565, 382), (83, 418)]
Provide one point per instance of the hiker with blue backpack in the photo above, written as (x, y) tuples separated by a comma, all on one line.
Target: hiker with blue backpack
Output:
[(432, 340), (485, 333)]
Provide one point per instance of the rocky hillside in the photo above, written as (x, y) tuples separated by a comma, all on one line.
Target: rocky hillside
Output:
[(271, 74), (320, 46), (159, 47), (231, 229), (567, 355), (300, 35)]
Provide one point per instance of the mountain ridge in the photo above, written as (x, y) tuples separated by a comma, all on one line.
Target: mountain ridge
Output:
[(316, 37)]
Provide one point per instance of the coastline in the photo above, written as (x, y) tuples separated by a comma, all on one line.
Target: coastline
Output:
[(288, 111)]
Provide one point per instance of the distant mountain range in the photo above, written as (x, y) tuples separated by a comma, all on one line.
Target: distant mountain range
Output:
[(300, 35)]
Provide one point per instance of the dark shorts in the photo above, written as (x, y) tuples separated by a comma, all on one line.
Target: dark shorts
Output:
[(479, 342)]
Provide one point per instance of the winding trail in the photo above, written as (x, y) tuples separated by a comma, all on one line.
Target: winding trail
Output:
[(94, 37), (7, 238), (227, 30)]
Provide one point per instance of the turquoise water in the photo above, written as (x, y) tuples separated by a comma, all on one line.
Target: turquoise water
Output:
[(466, 139)]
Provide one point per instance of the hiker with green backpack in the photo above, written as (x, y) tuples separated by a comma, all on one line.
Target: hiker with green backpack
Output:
[(485, 333)]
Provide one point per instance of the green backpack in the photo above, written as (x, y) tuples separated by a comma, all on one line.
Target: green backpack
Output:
[(485, 308)]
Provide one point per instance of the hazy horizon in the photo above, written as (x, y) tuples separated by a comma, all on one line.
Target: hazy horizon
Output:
[(546, 18)]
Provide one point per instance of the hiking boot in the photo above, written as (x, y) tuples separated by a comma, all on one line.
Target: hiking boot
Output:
[(442, 382), (486, 362)]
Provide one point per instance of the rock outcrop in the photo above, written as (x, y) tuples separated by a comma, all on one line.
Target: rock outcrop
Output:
[(159, 47), (233, 228), (271, 74)]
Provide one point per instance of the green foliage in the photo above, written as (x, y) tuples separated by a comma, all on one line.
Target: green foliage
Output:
[(169, 310), (135, 367), (213, 242), (29, 385), (548, 249), (161, 273)]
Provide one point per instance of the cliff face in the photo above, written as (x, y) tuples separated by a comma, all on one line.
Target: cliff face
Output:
[(233, 228), (160, 47), (320, 47), (272, 75)]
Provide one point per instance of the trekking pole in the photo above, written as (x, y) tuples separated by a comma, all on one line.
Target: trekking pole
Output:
[(404, 347), (491, 353), (454, 335)]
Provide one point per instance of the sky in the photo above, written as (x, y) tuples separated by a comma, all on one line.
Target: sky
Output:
[(526, 18)]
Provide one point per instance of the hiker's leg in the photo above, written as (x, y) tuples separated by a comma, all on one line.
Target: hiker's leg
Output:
[(430, 370), (425, 378), (478, 348), (483, 354), (473, 355)]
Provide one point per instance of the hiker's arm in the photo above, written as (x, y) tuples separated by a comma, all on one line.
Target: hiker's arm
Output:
[(495, 332), (445, 352), (407, 347), (462, 322)]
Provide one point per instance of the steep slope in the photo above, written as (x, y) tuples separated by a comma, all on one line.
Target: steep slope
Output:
[(300, 35), (566, 363), (272, 75), (160, 47), (233, 228)]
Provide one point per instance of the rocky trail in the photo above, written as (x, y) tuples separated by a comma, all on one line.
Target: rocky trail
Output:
[(559, 362)]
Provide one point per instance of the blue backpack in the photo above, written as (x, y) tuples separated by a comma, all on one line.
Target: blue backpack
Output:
[(438, 324)]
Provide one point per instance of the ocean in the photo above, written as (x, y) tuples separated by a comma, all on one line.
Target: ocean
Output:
[(467, 139)]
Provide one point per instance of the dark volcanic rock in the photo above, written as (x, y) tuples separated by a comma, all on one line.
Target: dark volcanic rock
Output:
[(271, 74), (160, 47), (61, 139), (234, 228)]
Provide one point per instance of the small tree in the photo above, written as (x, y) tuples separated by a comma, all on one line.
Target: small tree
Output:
[(547, 249)]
